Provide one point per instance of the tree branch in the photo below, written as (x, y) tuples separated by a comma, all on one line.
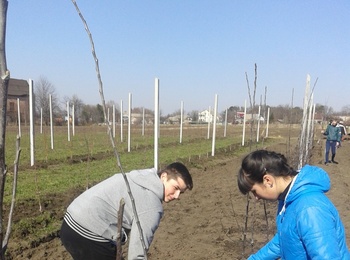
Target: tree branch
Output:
[(110, 131)]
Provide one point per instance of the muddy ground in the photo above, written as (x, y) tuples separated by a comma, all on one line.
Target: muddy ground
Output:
[(209, 221)]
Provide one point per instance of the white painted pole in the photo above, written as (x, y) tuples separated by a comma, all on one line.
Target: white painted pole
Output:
[(225, 129), (309, 120), (209, 120), (106, 120), (244, 120), (51, 121), (41, 120), (113, 120), (31, 121), (267, 122), (121, 121), (214, 125), (129, 123), (143, 121), (68, 123), (258, 130), (308, 137), (108, 125), (156, 122), (303, 132), (181, 120), (313, 123), (73, 120), (19, 118)]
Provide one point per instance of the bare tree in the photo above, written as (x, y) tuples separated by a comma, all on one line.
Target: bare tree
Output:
[(252, 101), (78, 106), (116, 153), (231, 113), (194, 115), (4, 81), (43, 89), (110, 105), (345, 110), (88, 114)]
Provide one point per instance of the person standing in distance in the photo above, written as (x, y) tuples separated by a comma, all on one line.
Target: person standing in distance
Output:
[(343, 132), (333, 135), (89, 228), (308, 224)]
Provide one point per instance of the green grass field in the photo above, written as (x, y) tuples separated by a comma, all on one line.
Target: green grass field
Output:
[(88, 156)]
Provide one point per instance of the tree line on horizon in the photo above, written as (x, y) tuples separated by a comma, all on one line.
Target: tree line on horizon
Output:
[(87, 114)]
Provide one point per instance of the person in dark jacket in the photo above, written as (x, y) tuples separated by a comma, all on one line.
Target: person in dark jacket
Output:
[(89, 228), (308, 224), (333, 136)]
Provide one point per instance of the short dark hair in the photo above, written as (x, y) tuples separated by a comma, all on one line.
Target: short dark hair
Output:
[(177, 169), (256, 164)]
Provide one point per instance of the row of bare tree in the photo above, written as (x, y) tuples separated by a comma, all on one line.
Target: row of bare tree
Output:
[(93, 114)]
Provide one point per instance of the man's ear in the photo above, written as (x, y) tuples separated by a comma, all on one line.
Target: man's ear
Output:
[(164, 176)]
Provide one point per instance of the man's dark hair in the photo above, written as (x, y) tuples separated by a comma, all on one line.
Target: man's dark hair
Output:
[(177, 169)]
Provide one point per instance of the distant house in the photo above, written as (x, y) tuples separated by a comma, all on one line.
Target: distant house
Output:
[(18, 90), (249, 117), (205, 116), (136, 118)]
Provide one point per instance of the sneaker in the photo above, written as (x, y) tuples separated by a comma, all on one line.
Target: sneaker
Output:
[(334, 162), (326, 163)]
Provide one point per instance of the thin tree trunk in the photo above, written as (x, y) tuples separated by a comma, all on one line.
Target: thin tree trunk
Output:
[(4, 79)]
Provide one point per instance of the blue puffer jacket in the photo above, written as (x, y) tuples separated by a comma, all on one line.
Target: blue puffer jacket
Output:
[(308, 224)]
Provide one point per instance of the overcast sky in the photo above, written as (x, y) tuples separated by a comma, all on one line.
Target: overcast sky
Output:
[(197, 49)]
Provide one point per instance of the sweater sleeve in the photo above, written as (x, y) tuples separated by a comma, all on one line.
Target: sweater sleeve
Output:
[(317, 229), (270, 251), (149, 223)]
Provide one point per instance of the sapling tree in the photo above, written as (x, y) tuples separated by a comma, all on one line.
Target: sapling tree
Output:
[(4, 82), (252, 108), (116, 153), (252, 102)]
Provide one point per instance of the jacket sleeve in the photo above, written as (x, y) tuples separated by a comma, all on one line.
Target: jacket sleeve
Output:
[(149, 224), (326, 132), (317, 230), (270, 251), (339, 135)]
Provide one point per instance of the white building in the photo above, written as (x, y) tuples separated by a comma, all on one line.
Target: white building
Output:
[(205, 116)]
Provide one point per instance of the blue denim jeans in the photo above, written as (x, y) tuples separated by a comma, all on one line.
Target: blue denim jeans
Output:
[(330, 145)]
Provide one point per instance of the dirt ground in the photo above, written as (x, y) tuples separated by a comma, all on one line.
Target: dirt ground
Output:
[(209, 221)]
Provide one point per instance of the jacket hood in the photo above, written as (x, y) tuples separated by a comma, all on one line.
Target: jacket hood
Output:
[(148, 179), (309, 179)]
